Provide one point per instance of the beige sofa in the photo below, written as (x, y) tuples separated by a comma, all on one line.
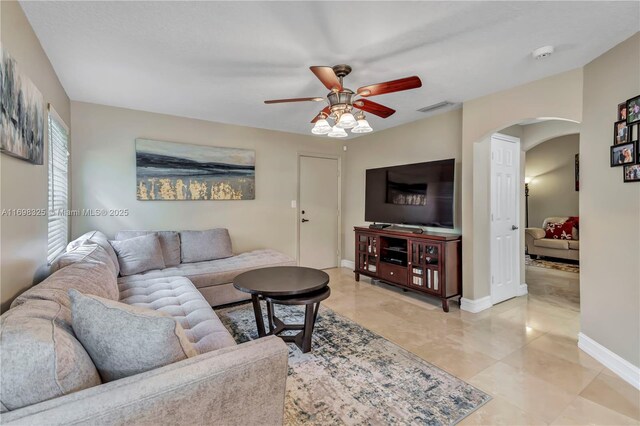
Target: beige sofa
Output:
[(538, 245), (46, 376)]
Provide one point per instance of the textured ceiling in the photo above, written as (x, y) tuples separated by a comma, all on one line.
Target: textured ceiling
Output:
[(218, 61)]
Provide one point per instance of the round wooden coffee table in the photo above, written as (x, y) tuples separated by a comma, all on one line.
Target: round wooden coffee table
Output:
[(286, 285)]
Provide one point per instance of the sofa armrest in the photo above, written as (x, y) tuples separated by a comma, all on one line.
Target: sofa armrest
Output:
[(535, 233), (239, 385)]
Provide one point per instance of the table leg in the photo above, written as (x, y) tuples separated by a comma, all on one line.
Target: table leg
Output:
[(257, 310), (270, 314), (308, 328)]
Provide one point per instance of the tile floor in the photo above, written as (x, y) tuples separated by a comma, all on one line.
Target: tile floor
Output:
[(523, 351)]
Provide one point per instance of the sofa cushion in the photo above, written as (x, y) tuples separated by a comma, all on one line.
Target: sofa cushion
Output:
[(87, 252), (139, 254), (125, 340), (95, 278), (221, 271), (100, 239), (169, 241), (41, 357), (552, 244), (198, 246), (178, 297), (574, 245)]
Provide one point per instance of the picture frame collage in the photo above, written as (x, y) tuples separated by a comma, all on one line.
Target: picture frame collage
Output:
[(625, 151)]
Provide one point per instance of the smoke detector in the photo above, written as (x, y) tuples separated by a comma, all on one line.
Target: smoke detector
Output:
[(542, 52)]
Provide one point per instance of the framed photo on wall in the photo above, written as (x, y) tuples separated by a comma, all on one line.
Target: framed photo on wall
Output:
[(633, 110), (622, 111), (620, 132), (632, 173), (623, 154)]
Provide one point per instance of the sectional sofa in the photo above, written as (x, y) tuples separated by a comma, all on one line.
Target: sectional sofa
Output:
[(47, 376)]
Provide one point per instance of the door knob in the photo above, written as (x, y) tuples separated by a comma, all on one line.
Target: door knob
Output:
[(305, 220), (513, 227)]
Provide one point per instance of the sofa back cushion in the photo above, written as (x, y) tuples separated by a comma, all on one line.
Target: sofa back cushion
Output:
[(87, 252), (41, 357), (99, 238), (197, 246), (88, 277), (136, 339), (169, 241), (139, 254)]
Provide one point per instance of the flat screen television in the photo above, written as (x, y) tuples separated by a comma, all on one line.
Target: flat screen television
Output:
[(413, 194)]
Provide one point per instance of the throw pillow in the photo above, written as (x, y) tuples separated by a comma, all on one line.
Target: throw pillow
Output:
[(169, 241), (41, 357), (124, 340), (139, 254), (559, 230), (211, 244)]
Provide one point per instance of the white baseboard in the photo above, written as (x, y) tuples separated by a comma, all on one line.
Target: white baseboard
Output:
[(348, 264), (522, 289), (476, 305), (623, 368)]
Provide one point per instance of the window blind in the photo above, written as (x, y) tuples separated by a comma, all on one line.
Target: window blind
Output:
[(58, 229)]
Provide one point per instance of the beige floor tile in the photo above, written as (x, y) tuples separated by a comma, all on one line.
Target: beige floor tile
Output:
[(565, 348), (500, 412), (563, 374), (584, 412), (527, 392), (454, 359), (609, 390), (523, 351)]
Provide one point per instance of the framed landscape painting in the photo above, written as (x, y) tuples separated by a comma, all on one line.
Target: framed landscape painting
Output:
[(176, 171), (22, 113)]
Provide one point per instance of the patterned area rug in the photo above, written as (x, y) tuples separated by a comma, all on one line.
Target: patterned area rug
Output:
[(353, 376), (550, 264)]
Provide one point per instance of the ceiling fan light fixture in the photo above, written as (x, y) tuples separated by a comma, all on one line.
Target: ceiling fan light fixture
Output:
[(322, 127), (347, 121), (337, 132), (362, 127)]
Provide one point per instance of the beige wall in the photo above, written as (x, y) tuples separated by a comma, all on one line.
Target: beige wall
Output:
[(23, 240), (557, 96), (104, 176), (610, 210), (552, 191), (435, 138)]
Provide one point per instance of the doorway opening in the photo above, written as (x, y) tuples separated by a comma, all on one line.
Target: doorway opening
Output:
[(552, 220)]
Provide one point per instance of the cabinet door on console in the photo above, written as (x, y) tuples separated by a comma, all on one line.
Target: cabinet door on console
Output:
[(367, 253), (423, 268)]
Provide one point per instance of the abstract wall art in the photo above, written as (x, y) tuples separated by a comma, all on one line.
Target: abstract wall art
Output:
[(22, 113), (177, 171)]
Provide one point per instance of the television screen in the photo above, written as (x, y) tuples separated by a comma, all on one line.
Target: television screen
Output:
[(413, 194)]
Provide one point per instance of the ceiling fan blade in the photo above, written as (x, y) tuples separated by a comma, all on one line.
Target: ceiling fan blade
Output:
[(326, 111), (374, 108), (390, 86), (328, 77), (280, 101)]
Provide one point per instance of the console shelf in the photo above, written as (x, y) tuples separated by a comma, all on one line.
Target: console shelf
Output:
[(428, 263)]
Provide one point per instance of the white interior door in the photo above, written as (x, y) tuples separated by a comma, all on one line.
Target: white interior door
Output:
[(318, 212), (505, 196)]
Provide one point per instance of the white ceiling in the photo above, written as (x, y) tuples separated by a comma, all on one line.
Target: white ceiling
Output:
[(218, 61)]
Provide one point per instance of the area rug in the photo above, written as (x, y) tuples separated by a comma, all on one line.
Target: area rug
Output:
[(352, 376), (550, 264)]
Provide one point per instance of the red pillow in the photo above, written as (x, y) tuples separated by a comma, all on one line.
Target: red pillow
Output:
[(575, 220), (559, 230)]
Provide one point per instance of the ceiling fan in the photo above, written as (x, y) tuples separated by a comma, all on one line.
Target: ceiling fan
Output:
[(343, 101)]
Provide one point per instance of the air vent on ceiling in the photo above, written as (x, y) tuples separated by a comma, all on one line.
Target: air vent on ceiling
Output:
[(437, 106)]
